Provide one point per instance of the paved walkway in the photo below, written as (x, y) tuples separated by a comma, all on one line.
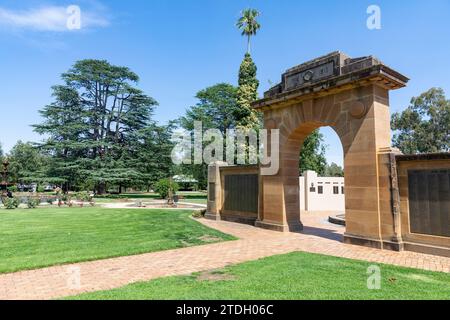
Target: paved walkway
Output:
[(318, 237), (153, 204)]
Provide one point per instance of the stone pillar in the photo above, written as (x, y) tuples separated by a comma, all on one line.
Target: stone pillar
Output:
[(389, 199), (215, 192), (280, 202), (274, 215), (369, 217)]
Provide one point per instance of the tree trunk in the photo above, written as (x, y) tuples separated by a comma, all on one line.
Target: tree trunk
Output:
[(101, 188)]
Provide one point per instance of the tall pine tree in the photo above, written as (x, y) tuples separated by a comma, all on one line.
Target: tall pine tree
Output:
[(95, 123)]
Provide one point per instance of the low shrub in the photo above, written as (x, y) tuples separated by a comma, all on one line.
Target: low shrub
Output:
[(13, 189), (163, 186), (199, 214), (83, 196), (32, 203), (11, 203)]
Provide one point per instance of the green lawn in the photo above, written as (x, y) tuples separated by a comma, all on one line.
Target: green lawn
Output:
[(196, 201), (48, 236), (298, 276)]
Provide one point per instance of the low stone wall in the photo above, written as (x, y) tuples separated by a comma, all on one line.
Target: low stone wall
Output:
[(233, 193), (424, 187)]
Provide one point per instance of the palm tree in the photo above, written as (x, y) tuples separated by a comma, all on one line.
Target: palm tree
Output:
[(248, 24)]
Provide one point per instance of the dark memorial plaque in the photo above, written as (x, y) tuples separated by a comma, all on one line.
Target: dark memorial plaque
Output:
[(429, 202), (241, 193)]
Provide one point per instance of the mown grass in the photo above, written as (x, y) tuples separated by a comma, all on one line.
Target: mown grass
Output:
[(49, 236), (295, 276), (196, 201)]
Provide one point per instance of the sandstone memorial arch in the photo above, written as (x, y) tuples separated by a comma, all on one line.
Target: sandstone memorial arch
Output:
[(352, 97)]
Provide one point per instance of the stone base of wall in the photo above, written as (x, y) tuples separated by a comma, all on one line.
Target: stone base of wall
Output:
[(279, 227), (230, 218), (212, 216), (398, 246), (373, 243), (238, 219), (427, 249)]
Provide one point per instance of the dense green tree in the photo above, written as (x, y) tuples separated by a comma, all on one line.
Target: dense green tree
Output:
[(1, 152), (66, 125), (312, 156), (333, 170), (152, 153), (27, 164), (215, 109), (424, 127), (95, 122)]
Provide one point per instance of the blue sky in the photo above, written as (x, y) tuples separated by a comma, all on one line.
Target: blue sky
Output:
[(179, 47)]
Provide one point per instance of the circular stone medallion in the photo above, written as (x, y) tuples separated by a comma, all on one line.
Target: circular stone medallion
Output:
[(308, 75), (358, 110)]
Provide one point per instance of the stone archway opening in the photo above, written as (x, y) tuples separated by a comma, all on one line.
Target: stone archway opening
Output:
[(307, 195), (322, 181)]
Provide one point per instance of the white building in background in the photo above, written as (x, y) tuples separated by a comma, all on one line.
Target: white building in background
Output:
[(321, 193)]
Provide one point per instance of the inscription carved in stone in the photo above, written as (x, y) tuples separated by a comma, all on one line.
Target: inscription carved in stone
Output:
[(317, 73)]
